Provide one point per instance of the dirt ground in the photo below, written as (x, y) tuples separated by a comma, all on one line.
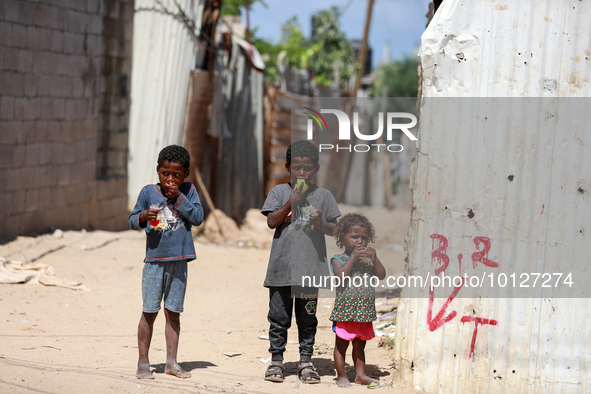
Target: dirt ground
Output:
[(58, 340)]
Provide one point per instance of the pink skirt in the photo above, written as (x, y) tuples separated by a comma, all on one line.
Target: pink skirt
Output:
[(349, 330)]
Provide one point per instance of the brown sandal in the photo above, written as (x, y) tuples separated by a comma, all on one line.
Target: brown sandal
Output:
[(275, 372), (307, 373)]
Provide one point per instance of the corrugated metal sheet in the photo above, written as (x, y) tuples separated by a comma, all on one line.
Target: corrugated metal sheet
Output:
[(524, 188), (232, 157), (164, 53)]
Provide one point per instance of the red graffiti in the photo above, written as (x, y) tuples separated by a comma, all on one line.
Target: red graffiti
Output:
[(439, 320), (477, 321), (482, 255), (542, 209), (440, 254), (460, 257)]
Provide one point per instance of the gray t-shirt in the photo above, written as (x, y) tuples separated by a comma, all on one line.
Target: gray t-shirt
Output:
[(298, 250)]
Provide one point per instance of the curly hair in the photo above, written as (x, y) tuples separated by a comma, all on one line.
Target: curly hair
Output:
[(349, 220), (174, 154), (303, 148)]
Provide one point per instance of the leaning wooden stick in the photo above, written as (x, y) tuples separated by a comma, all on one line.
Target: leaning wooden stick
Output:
[(203, 190)]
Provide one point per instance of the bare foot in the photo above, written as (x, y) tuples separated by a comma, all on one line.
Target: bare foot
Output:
[(176, 370), (365, 380), (343, 381), (143, 371)]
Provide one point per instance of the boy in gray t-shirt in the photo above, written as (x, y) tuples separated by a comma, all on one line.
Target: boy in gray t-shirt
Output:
[(301, 213)]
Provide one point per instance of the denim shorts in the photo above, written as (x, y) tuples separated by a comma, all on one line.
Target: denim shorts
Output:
[(166, 279)]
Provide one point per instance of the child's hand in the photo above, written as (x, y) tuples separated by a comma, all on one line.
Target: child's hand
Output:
[(359, 252), (372, 254), (316, 219), (172, 191), (150, 214), (298, 194)]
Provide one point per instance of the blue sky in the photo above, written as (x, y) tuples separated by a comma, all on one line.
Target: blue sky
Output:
[(397, 22)]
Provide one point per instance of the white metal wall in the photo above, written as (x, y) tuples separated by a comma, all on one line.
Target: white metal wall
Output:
[(527, 191), (164, 53)]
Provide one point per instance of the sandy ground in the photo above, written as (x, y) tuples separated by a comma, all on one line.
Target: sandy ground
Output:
[(57, 340)]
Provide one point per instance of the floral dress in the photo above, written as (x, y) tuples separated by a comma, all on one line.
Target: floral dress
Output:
[(355, 303)]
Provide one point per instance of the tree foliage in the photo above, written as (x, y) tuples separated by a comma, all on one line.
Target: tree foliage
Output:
[(234, 7), (334, 48), (400, 79), (319, 54)]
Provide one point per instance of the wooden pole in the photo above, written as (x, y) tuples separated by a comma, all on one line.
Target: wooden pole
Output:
[(363, 49)]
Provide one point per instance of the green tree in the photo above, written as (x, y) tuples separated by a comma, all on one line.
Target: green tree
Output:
[(400, 79), (234, 7), (333, 48)]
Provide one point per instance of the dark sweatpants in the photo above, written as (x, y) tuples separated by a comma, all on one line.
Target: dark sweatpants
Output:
[(280, 311)]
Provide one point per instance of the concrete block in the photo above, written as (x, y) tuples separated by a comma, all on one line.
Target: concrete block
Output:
[(60, 86), (7, 108), (5, 82), (57, 153), (69, 158), (41, 63), (44, 85), (13, 180), (93, 43), (57, 41), (64, 175), (57, 201), (45, 200), (79, 43), (41, 134), (79, 22), (42, 16), (96, 25), (17, 85), (25, 60), (58, 108), (18, 201), (13, 226), (31, 199), (52, 18), (52, 175), (10, 59), (6, 156), (30, 85), (27, 135), (40, 178), (5, 34), (19, 157), (32, 155), (10, 132), (69, 43), (77, 87), (44, 43), (19, 36), (11, 13), (27, 12), (46, 107), (34, 38)]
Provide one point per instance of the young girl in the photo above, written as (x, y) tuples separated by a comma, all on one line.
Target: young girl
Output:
[(354, 308)]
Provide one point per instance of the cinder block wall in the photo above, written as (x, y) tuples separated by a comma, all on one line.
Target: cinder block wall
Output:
[(65, 68)]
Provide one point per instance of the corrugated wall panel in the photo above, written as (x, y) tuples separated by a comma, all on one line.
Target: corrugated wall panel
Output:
[(509, 174), (164, 53)]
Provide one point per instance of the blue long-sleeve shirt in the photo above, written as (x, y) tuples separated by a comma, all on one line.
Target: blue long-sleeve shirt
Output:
[(171, 237)]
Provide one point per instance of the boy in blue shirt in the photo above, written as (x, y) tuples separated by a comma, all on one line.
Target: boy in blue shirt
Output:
[(166, 212)]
